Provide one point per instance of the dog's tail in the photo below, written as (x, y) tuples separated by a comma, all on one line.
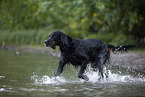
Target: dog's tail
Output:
[(119, 48)]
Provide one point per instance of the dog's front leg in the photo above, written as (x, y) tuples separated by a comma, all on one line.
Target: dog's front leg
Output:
[(60, 68), (62, 63), (82, 70)]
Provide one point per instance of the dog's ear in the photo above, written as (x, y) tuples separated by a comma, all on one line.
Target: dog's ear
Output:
[(66, 40)]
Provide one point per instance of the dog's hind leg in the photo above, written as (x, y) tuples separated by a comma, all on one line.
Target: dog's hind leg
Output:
[(94, 66), (100, 67), (82, 70)]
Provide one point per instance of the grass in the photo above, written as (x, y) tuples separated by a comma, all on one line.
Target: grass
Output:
[(37, 37), (138, 50), (25, 37)]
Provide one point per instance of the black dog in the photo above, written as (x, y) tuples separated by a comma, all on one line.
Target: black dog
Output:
[(79, 52)]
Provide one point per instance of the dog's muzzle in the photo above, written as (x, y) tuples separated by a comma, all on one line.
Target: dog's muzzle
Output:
[(51, 44)]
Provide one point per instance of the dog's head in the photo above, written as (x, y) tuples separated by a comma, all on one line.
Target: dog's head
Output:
[(53, 39), (57, 38)]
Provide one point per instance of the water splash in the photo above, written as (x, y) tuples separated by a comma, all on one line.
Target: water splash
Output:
[(93, 78), (51, 80), (113, 77)]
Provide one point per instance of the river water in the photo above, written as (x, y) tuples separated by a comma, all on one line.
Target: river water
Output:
[(32, 75)]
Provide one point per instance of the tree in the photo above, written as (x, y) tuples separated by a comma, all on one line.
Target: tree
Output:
[(77, 17)]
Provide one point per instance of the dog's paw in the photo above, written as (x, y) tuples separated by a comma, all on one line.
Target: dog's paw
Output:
[(83, 77)]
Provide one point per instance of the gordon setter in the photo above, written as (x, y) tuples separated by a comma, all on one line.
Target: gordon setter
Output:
[(79, 52)]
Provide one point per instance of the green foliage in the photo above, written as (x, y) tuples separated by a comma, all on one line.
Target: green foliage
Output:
[(111, 38), (25, 37), (122, 39), (36, 37), (102, 19)]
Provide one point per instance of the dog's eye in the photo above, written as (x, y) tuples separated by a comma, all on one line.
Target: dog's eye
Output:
[(51, 34)]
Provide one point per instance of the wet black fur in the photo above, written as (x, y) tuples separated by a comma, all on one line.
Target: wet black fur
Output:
[(79, 52)]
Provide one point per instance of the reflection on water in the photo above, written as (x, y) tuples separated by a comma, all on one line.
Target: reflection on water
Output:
[(32, 75)]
